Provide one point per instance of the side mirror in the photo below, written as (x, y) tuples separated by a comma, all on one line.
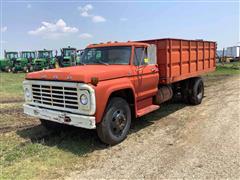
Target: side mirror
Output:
[(146, 60)]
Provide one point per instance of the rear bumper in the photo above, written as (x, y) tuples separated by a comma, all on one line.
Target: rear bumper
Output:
[(77, 120)]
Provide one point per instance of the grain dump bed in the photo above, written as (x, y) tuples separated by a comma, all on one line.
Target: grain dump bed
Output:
[(179, 59)]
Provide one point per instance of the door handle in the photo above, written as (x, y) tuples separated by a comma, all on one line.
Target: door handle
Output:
[(139, 69), (154, 69)]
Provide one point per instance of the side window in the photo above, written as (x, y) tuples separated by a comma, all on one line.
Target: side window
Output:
[(140, 54), (89, 55)]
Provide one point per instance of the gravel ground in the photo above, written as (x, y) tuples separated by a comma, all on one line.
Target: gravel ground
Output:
[(191, 142)]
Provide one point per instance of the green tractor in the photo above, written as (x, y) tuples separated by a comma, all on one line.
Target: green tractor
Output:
[(44, 60), (6, 64), (79, 54), (24, 63), (68, 57)]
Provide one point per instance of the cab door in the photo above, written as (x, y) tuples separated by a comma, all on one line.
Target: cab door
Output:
[(146, 72)]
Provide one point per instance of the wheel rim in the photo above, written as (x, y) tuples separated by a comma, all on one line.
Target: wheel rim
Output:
[(118, 122), (200, 91)]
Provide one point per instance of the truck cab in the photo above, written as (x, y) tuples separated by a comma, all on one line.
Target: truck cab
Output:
[(116, 81)]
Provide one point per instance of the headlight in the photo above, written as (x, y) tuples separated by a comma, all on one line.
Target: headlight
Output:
[(27, 93), (83, 99)]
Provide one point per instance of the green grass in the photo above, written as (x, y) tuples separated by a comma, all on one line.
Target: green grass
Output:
[(227, 69), (39, 154), (11, 85)]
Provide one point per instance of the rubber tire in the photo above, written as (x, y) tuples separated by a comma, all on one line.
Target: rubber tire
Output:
[(193, 97), (14, 70), (50, 125), (103, 128), (31, 69), (25, 69), (8, 69)]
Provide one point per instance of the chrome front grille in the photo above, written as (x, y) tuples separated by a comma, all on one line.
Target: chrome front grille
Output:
[(56, 96)]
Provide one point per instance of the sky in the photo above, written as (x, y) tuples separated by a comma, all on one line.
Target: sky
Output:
[(33, 25)]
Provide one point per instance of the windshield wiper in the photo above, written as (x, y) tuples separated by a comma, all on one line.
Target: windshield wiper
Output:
[(81, 63)]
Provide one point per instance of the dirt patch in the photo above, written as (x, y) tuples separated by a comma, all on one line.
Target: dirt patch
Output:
[(11, 111), (11, 100), (178, 142), (16, 127), (12, 118)]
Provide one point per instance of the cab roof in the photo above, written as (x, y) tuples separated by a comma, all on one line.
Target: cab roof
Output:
[(109, 44), (69, 48), (8, 52), (28, 51)]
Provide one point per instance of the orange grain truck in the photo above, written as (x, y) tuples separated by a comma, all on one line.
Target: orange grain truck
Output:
[(118, 81)]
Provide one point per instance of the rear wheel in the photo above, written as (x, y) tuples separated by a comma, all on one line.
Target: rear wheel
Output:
[(197, 91), (116, 122), (14, 70), (31, 69)]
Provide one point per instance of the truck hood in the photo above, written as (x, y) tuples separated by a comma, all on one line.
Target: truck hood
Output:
[(21, 59), (82, 73), (39, 59)]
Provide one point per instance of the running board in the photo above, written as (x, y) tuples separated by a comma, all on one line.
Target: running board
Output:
[(147, 110)]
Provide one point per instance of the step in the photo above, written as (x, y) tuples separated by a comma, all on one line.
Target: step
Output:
[(147, 110)]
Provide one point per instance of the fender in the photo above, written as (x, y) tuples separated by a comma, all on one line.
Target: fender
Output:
[(105, 88)]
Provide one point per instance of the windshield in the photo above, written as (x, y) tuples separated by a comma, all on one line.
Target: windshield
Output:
[(68, 52), (28, 54), (44, 54), (107, 55), (12, 55)]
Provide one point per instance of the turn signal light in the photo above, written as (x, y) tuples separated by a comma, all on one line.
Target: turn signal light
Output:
[(94, 81)]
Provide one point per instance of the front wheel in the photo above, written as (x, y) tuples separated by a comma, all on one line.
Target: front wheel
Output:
[(14, 70), (8, 69), (116, 122), (25, 69)]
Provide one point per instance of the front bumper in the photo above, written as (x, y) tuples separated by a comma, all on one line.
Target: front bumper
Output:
[(77, 120)]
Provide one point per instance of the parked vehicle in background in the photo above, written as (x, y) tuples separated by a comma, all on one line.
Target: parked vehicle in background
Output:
[(79, 54), (68, 57), (24, 62), (6, 64), (233, 52), (118, 82), (44, 60)]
